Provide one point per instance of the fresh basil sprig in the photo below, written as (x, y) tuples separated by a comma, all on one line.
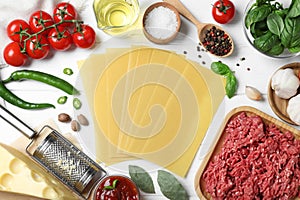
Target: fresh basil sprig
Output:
[(275, 23), (231, 81)]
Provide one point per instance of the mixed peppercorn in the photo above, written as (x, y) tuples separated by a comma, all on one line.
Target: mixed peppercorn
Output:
[(217, 42)]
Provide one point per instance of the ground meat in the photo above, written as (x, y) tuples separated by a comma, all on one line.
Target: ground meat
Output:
[(257, 161)]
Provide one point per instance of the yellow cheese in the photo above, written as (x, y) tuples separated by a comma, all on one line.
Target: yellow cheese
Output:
[(18, 173)]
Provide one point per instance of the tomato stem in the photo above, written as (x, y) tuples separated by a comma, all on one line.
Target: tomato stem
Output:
[(222, 8), (62, 13)]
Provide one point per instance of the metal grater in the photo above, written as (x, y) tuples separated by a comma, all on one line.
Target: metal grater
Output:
[(59, 156)]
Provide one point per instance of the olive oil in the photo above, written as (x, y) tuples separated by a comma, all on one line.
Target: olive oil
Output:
[(116, 16)]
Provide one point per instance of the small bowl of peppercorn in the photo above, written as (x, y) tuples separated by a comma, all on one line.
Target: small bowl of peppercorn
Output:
[(271, 32), (216, 41)]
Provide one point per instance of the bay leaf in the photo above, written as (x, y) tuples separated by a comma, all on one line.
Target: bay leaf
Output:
[(141, 178), (170, 186)]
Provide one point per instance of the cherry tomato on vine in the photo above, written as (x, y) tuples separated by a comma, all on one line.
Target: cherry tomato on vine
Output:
[(37, 47), (18, 30), (64, 11), (40, 19), (84, 36), (223, 11), (60, 39), (13, 56)]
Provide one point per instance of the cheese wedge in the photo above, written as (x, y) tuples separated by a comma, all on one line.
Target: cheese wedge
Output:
[(20, 174)]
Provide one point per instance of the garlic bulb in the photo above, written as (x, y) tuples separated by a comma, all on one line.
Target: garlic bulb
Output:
[(293, 109), (285, 83)]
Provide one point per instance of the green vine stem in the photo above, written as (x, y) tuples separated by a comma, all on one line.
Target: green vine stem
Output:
[(55, 25)]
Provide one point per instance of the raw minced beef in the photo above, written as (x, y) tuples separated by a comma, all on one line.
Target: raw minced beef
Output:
[(257, 161)]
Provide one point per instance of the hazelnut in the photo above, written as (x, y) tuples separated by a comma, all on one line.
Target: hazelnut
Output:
[(75, 125), (64, 117), (82, 120)]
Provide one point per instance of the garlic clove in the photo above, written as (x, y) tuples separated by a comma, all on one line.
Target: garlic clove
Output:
[(253, 93)]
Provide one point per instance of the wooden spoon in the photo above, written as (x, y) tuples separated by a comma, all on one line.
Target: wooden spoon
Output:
[(201, 27)]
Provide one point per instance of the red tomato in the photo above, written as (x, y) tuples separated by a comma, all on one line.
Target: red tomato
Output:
[(64, 11), (18, 30), (40, 19), (37, 47), (60, 39), (13, 56), (223, 11), (84, 36)]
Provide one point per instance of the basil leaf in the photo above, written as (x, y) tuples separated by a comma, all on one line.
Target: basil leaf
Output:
[(275, 23), (290, 36), (170, 186), (282, 13), (258, 29), (109, 187), (294, 49), (231, 85), (141, 178), (258, 14), (294, 10), (265, 42), (276, 49), (261, 2), (219, 68)]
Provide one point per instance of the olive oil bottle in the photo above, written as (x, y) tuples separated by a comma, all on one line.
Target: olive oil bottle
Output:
[(116, 16)]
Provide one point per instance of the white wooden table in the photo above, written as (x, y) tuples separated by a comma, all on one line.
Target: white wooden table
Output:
[(254, 71)]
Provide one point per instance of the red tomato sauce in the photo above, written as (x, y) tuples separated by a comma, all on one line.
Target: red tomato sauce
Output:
[(125, 189)]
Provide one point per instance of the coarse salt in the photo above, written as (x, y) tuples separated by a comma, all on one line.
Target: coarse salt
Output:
[(161, 22)]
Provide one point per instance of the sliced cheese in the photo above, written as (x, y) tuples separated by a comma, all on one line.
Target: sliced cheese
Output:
[(20, 174)]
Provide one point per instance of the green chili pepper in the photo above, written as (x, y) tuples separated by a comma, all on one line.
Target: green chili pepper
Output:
[(76, 103), (62, 99), (10, 97), (68, 71), (42, 77)]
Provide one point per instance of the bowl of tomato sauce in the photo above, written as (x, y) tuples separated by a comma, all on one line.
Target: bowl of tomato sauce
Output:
[(116, 187)]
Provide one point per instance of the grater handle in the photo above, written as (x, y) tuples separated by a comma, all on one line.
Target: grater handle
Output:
[(16, 122)]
